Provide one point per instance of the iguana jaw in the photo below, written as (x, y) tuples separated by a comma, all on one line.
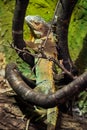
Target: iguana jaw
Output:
[(32, 22), (34, 32)]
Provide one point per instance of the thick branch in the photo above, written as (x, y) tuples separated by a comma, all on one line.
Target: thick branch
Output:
[(17, 29), (46, 101), (18, 21), (63, 19)]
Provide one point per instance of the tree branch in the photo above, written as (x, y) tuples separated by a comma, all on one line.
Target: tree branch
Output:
[(42, 55), (63, 19), (46, 101), (17, 29)]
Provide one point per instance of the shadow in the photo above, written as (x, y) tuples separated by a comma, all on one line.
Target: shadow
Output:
[(37, 122), (81, 61), (28, 110)]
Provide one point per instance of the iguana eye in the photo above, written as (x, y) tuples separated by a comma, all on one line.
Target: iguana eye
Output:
[(37, 23)]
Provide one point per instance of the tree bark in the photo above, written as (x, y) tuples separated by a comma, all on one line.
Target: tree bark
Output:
[(17, 30), (63, 14)]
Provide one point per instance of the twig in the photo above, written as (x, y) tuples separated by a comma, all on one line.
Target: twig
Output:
[(59, 65), (23, 50), (43, 45), (62, 67), (27, 124), (42, 55)]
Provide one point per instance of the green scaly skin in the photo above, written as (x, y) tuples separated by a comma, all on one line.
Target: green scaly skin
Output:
[(44, 72)]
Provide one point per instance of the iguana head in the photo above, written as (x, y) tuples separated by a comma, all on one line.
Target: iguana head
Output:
[(37, 25), (39, 28)]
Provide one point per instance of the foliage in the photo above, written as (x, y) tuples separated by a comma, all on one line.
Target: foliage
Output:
[(82, 104), (78, 35)]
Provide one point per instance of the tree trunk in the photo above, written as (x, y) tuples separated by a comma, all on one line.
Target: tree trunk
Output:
[(63, 14)]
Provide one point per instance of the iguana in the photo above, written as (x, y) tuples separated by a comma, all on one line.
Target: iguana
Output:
[(44, 72)]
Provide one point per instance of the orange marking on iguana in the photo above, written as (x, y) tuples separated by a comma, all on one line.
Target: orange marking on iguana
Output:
[(44, 71)]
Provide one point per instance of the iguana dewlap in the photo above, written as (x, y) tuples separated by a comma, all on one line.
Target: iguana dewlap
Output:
[(44, 72)]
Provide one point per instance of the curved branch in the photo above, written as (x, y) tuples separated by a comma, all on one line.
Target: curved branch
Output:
[(17, 29), (46, 101), (63, 19)]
